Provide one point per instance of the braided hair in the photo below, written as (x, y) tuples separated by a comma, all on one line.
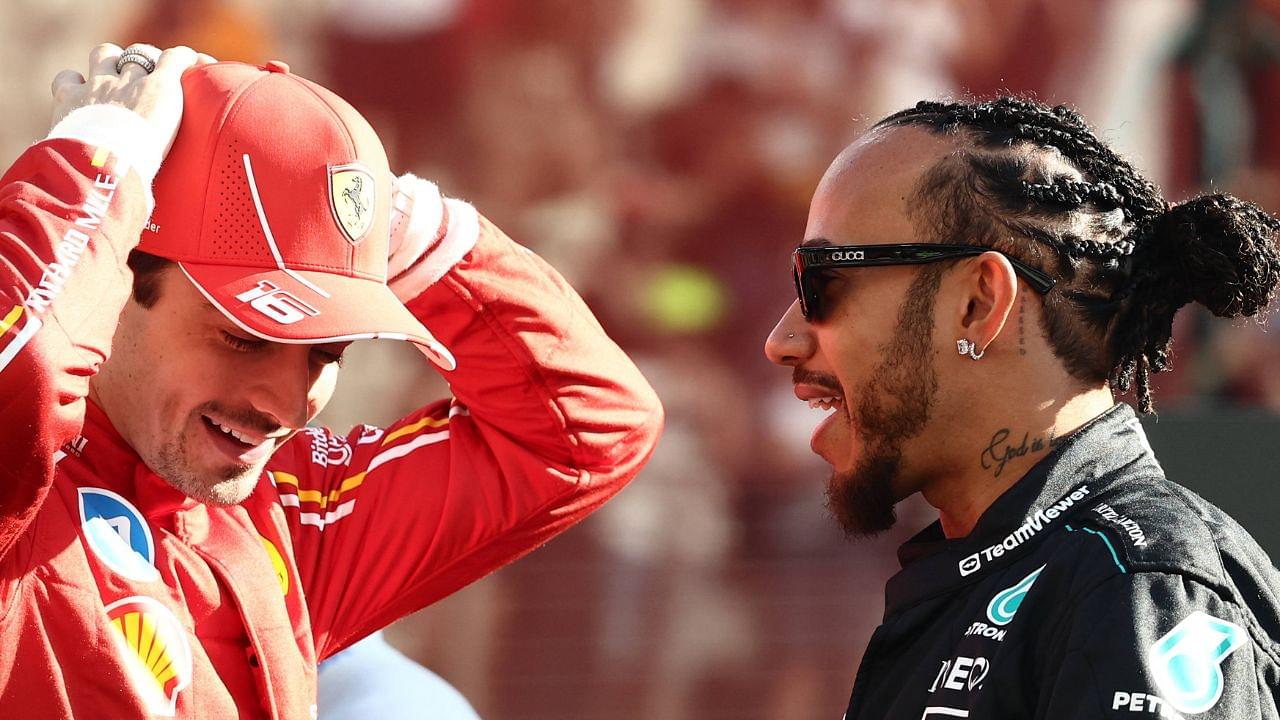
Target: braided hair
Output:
[(1036, 182)]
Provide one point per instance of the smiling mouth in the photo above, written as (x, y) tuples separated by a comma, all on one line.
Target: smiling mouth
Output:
[(231, 433), (243, 448), (246, 438)]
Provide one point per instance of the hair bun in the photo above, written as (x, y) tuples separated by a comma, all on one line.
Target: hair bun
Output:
[(1217, 250)]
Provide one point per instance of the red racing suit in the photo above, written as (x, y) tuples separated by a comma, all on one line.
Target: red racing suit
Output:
[(120, 597)]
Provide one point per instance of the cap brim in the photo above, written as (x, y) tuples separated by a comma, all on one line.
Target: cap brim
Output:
[(307, 307)]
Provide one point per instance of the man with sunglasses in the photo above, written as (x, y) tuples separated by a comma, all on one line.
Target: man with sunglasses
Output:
[(978, 281)]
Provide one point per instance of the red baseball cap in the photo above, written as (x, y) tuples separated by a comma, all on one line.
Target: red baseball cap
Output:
[(275, 201)]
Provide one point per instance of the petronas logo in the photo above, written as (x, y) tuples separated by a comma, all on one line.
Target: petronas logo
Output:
[(1005, 604), (154, 647), (1187, 661)]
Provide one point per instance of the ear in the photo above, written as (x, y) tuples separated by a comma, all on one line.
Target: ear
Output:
[(990, 289)]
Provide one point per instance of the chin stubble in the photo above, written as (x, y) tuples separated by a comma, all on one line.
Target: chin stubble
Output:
[(172, 462)]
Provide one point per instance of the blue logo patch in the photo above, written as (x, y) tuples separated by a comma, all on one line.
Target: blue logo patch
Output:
[(1005, 604), (118, 534), (1187, 662)]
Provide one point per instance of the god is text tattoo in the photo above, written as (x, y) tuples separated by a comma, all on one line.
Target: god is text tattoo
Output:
[(1001, 450)]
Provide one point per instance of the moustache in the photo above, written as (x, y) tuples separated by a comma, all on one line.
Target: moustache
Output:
[(800, 376), (247, 419)]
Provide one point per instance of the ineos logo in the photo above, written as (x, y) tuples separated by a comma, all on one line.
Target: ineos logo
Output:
[(848, 255), (280, 305), (961, 673)]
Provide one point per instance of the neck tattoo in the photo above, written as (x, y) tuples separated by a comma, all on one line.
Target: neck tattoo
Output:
[(1022, 323), (1005, 446)]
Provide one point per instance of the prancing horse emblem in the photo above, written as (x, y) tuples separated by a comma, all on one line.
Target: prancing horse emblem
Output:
[(351, 196)]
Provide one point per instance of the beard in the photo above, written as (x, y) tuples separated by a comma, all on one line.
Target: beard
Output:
[(892, 407), (862, 500), (228, 487)]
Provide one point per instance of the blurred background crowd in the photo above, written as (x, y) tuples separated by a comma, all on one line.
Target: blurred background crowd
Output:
[(661, 154)]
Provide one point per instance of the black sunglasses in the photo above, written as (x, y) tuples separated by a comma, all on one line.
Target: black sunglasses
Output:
[(810, 261)]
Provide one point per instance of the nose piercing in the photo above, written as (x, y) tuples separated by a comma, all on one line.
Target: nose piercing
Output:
[(964, 347), (790, 335)]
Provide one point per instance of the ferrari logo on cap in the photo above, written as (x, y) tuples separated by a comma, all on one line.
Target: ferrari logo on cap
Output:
[(351, 195)]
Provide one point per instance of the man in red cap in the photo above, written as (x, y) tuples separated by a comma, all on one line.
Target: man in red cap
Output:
[(174, 540)]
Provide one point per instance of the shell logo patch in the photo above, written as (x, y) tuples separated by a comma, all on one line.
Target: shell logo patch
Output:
[(155, 649), (277, 562), (118, 534), (352, 197)]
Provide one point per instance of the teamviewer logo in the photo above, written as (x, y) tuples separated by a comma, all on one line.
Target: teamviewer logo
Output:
[(970, 565)]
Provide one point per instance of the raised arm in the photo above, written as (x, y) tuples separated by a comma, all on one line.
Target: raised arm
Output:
[(549, 420), (71, 209)]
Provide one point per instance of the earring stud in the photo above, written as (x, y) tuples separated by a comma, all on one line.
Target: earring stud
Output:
[(964, 347)]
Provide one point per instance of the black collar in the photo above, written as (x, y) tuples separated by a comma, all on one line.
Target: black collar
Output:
[(1108, 448)]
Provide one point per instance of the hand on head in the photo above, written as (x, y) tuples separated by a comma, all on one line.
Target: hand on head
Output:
[(141, 78)]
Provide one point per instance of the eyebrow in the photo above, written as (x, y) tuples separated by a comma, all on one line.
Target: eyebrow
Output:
[(208, 307), (215, 317), (816, 242)]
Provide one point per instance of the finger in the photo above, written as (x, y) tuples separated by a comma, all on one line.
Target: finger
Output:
[(151, 51), (132, 69), (202, 59), (176, 59), (102, 60), (64, 81)]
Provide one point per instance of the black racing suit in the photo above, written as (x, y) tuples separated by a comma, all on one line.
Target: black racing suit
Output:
[(1093, 588)]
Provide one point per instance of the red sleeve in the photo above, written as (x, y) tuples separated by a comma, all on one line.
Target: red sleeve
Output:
[(549, 420), (67, 224)]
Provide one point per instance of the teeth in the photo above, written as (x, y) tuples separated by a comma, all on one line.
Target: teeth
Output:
[(242, 438), (826, 403)]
